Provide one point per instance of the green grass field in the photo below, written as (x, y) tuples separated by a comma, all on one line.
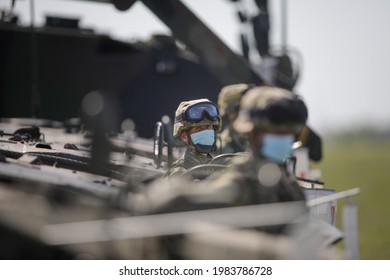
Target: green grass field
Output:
[(362, 161)]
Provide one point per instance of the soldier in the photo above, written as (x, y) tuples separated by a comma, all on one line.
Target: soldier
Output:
[(229, 140), (196, 124), (270, 117)]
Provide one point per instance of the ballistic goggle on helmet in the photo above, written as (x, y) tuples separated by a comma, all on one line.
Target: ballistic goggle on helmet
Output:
[(195, 113), (273, 108)]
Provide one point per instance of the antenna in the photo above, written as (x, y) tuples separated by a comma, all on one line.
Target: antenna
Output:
[(35, 96), (284, 26)]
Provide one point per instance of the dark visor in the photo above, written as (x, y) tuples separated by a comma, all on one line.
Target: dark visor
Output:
[(197, 112)]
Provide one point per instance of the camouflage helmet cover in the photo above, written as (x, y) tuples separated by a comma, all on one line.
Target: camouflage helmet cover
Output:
[(266, 107), (230, 96), (182, 125)]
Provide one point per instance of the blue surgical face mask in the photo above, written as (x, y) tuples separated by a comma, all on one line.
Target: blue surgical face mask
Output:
[(203, 140), (277, 147)]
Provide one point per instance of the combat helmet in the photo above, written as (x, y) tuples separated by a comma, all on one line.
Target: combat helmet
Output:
[(230, 96), (266, 107), (194, 113)]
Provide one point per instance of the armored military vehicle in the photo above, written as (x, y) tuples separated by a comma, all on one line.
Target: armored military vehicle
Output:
[(81, 145)]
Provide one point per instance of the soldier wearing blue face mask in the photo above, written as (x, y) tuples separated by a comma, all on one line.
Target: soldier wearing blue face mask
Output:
[(196, 124), (270, 117)]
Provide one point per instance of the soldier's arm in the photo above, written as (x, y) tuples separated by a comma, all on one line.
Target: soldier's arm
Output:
[(175, 171)]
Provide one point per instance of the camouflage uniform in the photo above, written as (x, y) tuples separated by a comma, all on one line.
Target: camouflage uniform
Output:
[(251, 178), (229, 140), (192, 157), (254, 180), (188, 160), (267, 109), (248, 180)]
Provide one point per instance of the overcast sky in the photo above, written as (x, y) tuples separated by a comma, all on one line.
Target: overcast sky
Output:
[(344, 44)]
